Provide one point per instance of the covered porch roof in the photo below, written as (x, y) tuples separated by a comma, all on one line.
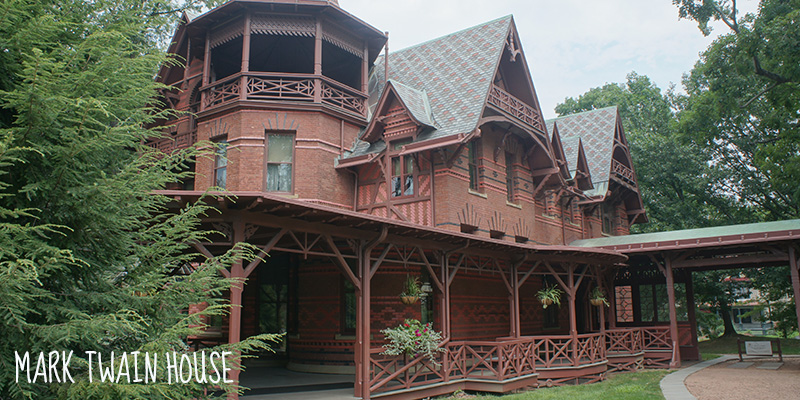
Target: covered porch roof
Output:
[(719, 236), (310, 216)]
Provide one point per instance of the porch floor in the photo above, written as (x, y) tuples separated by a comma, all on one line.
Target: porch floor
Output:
[(273, 383)]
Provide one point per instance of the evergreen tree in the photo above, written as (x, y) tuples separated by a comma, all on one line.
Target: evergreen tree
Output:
[(88, 254)]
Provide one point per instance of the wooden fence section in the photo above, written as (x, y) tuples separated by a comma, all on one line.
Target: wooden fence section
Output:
[(484, 362)]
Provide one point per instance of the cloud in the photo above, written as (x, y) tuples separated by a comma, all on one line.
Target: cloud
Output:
[(571, 45)]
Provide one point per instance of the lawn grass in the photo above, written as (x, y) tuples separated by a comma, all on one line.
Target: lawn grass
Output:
[(727, 345), (622, 386)]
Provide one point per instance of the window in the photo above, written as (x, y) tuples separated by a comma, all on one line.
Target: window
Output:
[(472, 153), (510, 176), (607, 214), (221, 165), (402, 172), (348, 307), (280, 153)]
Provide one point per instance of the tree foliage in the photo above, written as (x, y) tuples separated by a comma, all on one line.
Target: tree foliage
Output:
[(88, 255)]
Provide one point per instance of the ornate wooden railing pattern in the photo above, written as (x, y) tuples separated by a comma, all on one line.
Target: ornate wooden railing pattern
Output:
[(656, 338), (485, 360), (515, 107), (168, 143), (284, 87), (624, 340), (622, 171)]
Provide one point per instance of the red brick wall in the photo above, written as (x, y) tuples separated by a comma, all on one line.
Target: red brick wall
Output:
[(479, 306)]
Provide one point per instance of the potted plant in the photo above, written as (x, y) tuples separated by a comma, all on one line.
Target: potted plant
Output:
[(598, 297), (411, 290), (413, 339), (549, 295)]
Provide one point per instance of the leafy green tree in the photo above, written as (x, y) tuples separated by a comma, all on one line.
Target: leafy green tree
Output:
[(88, 255), (742, 108)]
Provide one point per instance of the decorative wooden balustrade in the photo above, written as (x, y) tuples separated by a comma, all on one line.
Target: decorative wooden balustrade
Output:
[(657, 345), (169, 142), (488, 361), (304, 88), (623, 172), (515, 108), (625, 349)]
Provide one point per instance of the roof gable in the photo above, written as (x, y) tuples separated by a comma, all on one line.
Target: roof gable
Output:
[(415, 104), (456, 72), (596, 129)]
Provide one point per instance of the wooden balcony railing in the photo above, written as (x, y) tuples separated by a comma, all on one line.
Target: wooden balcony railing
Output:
[(622, 171), (515, 108), (656, 338), (167, 143), (305, 88)]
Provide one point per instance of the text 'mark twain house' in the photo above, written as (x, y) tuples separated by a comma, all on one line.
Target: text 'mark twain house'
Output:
[(353, 172)]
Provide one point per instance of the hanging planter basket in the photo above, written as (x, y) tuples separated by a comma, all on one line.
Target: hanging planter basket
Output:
[(409, 299), (597, 302), (546, 302)]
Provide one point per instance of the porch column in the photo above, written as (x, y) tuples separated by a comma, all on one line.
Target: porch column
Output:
[(363, 325), (245, 57), (690, 311), (612, 298), (573, 323), (673, 315), (318, 62), (515, 326), (206, 70), (793, 266), (445, 303), (235, 317)]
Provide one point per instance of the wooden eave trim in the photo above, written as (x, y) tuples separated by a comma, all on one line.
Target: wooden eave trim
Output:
[(398, 229), (707, 242), (434, 143), (360, 160)]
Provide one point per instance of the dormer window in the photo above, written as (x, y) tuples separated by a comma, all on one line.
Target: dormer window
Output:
[(402, 170)]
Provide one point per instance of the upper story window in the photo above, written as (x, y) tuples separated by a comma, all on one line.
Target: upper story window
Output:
[(510, 176), (608, 214), (402, 170), (472, 154), (221, 165), (280, 156)]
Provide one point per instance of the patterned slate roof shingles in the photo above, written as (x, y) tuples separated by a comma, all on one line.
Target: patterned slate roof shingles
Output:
[(596, 129), (454, 71)]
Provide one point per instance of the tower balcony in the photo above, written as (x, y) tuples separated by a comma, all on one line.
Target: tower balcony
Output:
[(286, 88)]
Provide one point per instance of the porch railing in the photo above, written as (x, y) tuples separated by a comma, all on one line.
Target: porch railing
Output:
[(624, 340), (484, 360), (303, 88)]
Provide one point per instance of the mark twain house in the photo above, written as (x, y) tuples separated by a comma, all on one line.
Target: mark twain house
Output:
[(357, 171)]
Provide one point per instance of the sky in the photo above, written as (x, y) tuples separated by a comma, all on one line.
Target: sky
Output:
[(571, 45)]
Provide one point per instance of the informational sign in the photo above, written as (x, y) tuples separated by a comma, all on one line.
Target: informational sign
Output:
[(758, 348)]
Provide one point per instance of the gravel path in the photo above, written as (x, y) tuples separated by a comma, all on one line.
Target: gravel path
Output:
[(721, 382)]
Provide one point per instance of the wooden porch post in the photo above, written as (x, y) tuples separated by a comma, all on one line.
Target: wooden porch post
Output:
[(206, 69), (793, 266), (515, 329), (245, 57), (235, 317), (363, 340), (612, 298), (318, 62), (673, 316), (690, 311), (573, 323)]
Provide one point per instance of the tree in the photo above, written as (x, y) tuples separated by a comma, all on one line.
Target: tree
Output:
[(88, 255), (741, 108), (743, 100)]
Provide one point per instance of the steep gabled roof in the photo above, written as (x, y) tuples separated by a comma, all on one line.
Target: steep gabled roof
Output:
[(454, 71), (417, 103), (596, 130)]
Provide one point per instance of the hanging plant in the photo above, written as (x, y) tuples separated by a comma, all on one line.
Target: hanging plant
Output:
[(412, 289), (598, 297), (549, 295), (413, 339)]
